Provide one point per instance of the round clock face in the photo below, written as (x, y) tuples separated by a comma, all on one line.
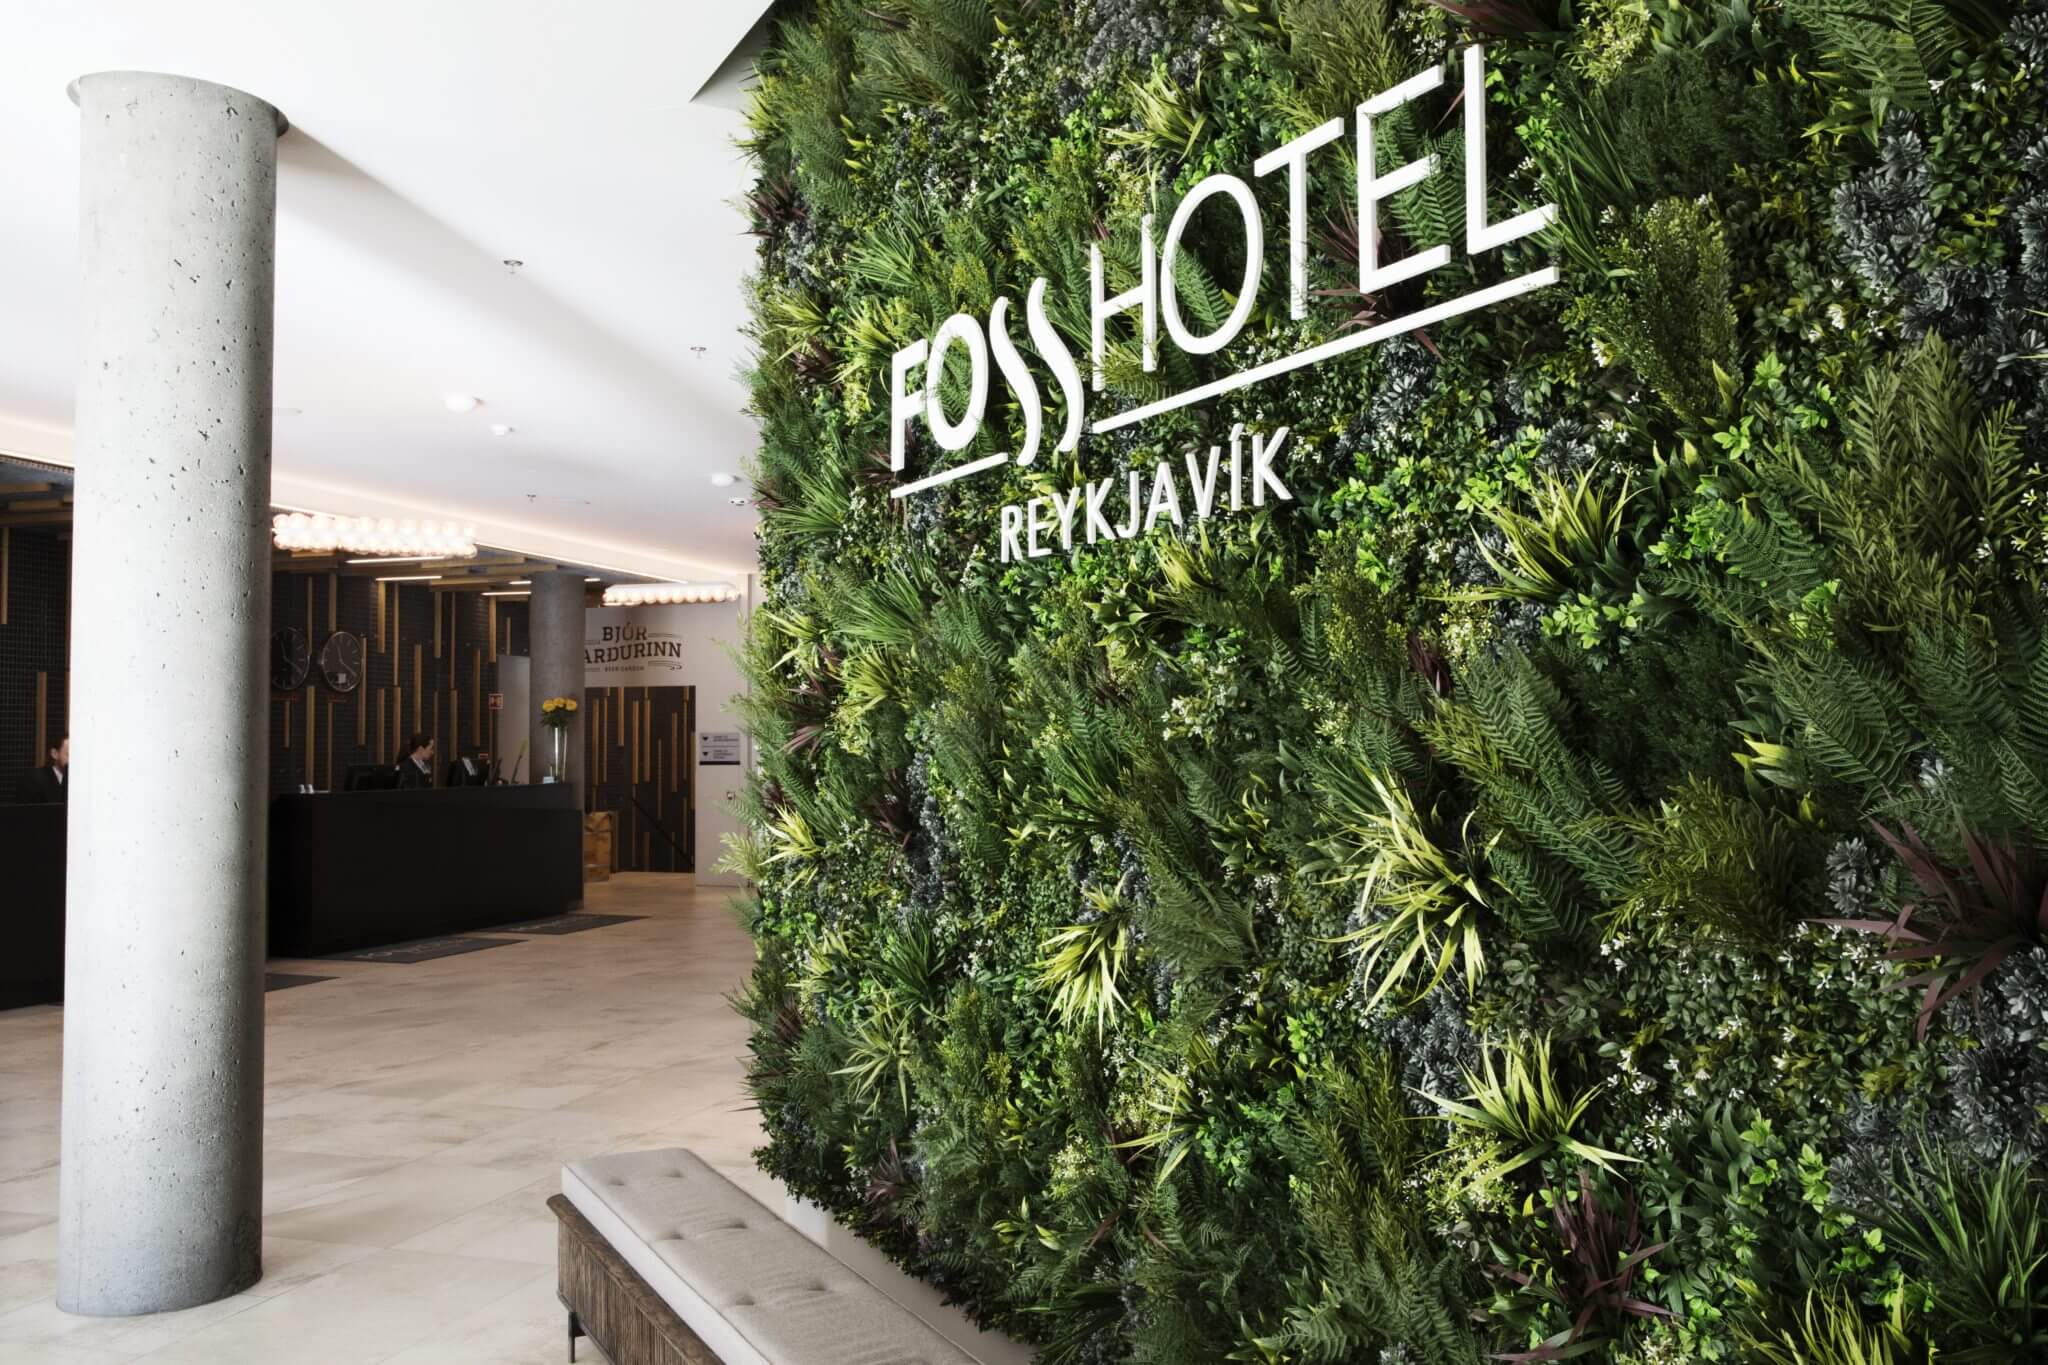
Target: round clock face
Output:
[(290, 659), (341, 661)]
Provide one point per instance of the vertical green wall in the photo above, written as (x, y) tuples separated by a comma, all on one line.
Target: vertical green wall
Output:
[(1565, 883)]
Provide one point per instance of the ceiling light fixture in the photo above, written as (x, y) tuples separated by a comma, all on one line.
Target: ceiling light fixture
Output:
[(508, 594), (724, 480), (381, 537), (392, 559), (502, 429), (739, 502), (667, 594), (462, 402), (593, 580), (410, 578), (520, 583)]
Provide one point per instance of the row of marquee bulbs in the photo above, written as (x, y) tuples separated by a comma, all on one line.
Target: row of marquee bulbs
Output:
[(667, 594), (381, 536)]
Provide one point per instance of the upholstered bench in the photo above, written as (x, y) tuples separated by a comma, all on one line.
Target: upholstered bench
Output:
[(663, 1261)]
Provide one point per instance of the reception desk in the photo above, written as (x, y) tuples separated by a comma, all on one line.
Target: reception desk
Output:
[(357, 869), (32, 863)]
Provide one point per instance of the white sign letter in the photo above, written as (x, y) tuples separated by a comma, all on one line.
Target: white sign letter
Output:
[(1053, 350), (1032, 526), (1254, 262), (1144, 296), (1263, 477), (903, 406), (966, 330), (1019, 377), (1478, 236), (1013, 528), (1294, 156), (1373, 188)]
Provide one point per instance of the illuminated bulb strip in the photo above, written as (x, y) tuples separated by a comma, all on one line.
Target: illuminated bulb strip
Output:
[(379, 536), (667, 594)]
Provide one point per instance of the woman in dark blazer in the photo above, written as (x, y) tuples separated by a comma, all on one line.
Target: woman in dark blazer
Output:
[(416, 769)]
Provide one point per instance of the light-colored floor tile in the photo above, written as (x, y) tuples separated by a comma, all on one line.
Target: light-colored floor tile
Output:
[(517, 1227), (362, 1312), (543, 1141), (40, 1325), (13, 1224), (396, 1204), (35, 1193), (55, 1354), (526, 1327)]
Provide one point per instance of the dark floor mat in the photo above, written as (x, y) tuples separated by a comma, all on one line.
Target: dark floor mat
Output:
[(421, 950), (565, 924), (284, 981)]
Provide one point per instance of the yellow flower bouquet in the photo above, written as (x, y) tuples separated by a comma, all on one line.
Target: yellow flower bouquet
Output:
[(557, 713)]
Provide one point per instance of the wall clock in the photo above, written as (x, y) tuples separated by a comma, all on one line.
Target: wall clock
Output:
[(341, 661), (290, 659)]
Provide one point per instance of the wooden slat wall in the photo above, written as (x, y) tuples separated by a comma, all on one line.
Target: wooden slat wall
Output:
[(637, 767), (399, 694)]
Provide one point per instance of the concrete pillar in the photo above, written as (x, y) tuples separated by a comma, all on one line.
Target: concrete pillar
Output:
[(161, 1191), (555, 637)]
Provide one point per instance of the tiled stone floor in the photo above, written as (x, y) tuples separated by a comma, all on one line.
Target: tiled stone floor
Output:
[(417, 1117)]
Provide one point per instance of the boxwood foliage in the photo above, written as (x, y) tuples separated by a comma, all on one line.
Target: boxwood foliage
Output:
[(1568, 884)]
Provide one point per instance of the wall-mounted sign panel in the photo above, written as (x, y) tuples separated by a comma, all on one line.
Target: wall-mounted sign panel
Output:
[(720, 747), (636, 647)]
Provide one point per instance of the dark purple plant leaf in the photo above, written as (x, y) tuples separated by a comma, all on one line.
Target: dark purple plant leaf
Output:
[(1973, 922)]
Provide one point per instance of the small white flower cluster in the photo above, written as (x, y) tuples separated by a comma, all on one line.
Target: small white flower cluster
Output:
[(1611, 949)]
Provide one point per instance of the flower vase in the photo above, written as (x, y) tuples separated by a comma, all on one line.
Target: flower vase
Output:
[(558, 761)]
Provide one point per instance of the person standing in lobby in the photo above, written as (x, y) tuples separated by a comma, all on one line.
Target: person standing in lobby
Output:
[(416, 769), (47, 785)]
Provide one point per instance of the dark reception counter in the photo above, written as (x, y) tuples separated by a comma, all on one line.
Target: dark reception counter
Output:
[(357, 869), (347, 870), (32, 875)]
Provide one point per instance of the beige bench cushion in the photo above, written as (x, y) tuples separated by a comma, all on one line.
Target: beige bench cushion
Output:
[(755, 1289)]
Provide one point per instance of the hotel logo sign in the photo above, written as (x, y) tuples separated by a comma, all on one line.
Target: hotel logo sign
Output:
[(1104, 511)]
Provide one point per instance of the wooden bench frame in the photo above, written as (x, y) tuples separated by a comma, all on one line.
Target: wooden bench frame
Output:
[(609, 1302)]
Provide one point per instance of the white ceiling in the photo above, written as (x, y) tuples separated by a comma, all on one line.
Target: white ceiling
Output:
[(431, 140)]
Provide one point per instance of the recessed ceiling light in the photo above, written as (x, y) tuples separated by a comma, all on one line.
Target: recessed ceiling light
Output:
[(724, 480), (593, 580), (520, 583), (508, 594), (410, 578), (502, 429), (462, 402), (739, 502)]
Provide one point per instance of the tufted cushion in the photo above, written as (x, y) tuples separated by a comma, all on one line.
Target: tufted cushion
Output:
[(755, 1289)]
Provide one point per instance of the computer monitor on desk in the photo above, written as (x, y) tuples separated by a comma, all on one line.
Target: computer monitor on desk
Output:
[(474, 771), (369, 777)]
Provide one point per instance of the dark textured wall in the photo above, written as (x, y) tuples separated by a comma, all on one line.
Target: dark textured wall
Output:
[(34, 640), (413, 679), (638, 765)]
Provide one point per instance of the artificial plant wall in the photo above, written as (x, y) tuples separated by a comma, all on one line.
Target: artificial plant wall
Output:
[(1569, 883)]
